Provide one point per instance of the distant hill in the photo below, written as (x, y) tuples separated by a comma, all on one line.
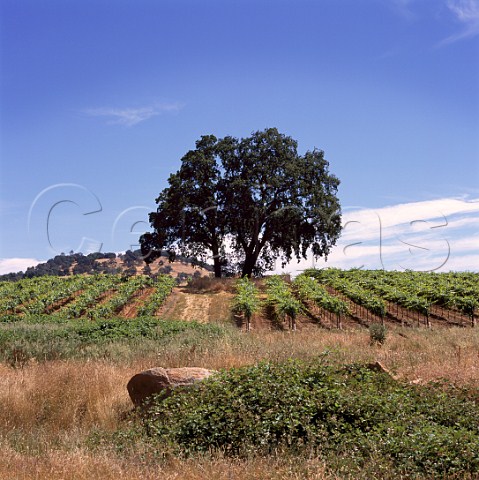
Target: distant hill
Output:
[(128, 263)]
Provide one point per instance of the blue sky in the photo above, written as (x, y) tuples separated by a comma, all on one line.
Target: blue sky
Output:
[(101, 99)]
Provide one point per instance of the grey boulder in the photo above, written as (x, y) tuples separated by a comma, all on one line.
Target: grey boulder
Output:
[(156, 380)]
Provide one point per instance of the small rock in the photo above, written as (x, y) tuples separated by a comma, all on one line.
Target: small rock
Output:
[(416, 381), (379, 367), (156, 380)]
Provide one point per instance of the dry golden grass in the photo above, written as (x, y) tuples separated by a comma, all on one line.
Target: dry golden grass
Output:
[(426, 356), (47, 410), (211, 285), (73, 395), (60, 401), (83, 465), (414, 355)]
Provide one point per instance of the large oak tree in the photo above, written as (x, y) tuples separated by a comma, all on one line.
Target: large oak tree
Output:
[(246, 203)]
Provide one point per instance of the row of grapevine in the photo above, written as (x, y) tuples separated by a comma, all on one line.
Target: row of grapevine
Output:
[(163, 287), (281, 300), (359, 295), (395, 294), (455, 291), (123, 294), (437, 287), (96, 296), (284, 301), (101, 284), (246, 301), (62, 291), (309, 290), (18, 294), (420, 291)]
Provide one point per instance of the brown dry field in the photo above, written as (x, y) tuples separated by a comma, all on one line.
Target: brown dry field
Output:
[(48, 410)]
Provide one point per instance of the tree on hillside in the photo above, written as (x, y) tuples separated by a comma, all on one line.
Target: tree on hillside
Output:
[(256, 195), (188, 222)]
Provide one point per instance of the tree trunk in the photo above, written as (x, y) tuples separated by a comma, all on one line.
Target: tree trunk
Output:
[(216, 262), (217, 267), (249, 263)]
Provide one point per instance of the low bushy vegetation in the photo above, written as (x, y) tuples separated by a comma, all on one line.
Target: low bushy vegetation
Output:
[(40, 340), (57, 417), (349, 413), (377, 333)]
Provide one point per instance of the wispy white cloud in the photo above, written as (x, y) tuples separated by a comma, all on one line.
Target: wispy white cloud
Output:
[(132, 116), (465, 12), (466, 222), (461, 263), (468, 244), (435, 235), (8, 265), (403, 8)]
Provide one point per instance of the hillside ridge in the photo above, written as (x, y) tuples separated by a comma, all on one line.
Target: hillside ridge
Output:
[(128, 263)]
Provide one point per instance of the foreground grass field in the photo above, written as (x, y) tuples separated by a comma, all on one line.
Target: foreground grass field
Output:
[(70, 417), (292, 405)]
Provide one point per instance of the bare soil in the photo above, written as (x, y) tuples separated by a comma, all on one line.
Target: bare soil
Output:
[(131, 308), (182, 304), (63, 302)]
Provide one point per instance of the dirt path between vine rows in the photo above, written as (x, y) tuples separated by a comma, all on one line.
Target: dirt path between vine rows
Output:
[(199, 307), (196, 307)]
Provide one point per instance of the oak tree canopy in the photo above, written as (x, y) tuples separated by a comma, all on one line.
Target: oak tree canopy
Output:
[(245, 203)]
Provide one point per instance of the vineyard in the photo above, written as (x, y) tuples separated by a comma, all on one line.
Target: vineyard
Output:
[(70, 345), (78, 296), (335, 298), (328, 298)]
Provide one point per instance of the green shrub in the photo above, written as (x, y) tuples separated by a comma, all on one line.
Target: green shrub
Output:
[(377, 333), (352, 412), (421, 446)]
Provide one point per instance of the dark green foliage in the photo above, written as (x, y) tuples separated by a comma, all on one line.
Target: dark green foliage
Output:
[(278, 203), (270, 201), (61, 265), (188, 220), (89, 264), (348, 412)]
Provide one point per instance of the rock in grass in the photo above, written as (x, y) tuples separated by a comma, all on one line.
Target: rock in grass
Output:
[(380, 368), (157, 380)]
